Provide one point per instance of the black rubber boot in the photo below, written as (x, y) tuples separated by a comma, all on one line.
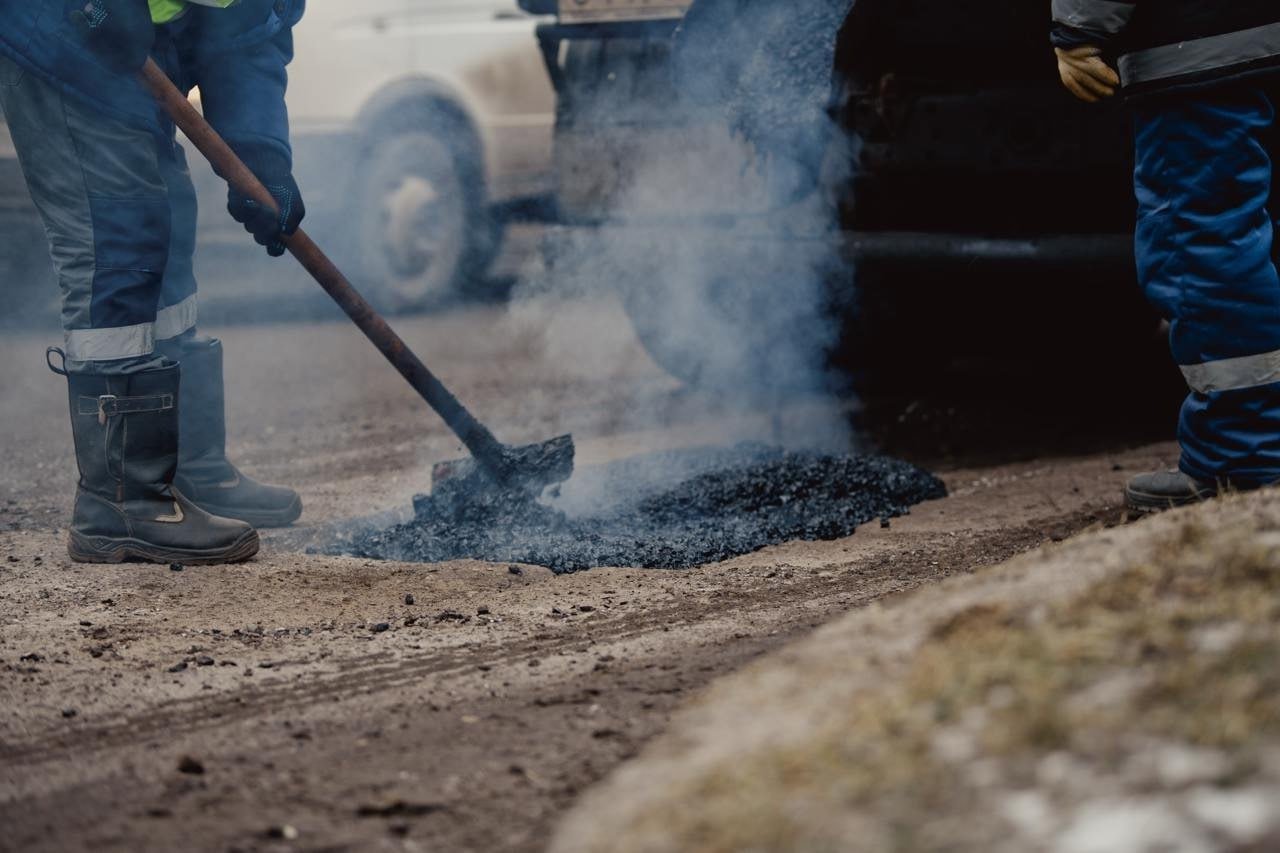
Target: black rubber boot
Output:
[(204, 473), (126, 437), (1161, 490)]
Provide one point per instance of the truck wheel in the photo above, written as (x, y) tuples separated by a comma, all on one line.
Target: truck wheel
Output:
[(423, 237)]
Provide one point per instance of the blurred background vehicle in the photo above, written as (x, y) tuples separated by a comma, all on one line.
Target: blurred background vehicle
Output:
[(422, 129), (978, 210)]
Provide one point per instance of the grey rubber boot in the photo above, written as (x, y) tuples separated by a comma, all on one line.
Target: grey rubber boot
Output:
[(205, 475), (126, 439), (1161, 490)]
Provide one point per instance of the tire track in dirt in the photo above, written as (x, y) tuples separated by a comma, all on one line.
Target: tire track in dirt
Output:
[(867, 581)]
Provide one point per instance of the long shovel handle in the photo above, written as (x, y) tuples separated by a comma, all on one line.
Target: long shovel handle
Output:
[(483, 446)]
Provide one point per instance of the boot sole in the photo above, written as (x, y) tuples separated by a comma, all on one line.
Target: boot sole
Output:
[(1146, 502), (105, 549), (257, 518)]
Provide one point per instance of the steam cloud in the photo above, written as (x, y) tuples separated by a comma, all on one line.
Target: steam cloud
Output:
[(716, 224)]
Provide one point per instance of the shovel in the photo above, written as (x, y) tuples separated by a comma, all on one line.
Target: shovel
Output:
[(528, 469)]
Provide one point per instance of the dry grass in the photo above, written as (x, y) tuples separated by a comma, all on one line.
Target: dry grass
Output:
[(1180, 646)]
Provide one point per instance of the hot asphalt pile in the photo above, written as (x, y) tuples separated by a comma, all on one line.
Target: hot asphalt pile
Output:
[(667, 510)]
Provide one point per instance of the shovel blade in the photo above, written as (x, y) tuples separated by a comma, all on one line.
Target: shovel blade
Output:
[(531, 468)]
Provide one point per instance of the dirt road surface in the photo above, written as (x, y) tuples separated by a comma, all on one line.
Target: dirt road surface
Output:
[(301, 702)]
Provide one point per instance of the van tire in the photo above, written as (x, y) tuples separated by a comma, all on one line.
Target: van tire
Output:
[(423, 237)]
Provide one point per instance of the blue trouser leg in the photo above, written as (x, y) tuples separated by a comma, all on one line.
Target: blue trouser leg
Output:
[(119, 212), (1206, 258)]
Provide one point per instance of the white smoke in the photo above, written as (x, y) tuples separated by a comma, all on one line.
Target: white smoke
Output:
[(713, 225)]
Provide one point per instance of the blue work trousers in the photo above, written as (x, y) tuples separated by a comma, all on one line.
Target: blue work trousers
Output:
[(119, 210), (1207, 258)]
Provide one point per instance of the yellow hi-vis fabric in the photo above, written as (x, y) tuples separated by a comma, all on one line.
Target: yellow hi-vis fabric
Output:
[(164, 11)]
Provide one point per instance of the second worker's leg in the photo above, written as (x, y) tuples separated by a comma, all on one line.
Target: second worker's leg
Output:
[(1205, 257)]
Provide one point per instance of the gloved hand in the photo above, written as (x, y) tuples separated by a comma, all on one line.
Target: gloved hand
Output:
[(1085, 74), (118, 32), (267, 227)]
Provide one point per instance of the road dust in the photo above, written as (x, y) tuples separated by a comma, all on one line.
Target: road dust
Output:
[(667, 510)]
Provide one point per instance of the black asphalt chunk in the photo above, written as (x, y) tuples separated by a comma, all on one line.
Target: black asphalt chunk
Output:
[(191, 766), (666, 510)]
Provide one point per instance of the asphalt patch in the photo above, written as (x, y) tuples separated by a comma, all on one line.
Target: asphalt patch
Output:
[(666, 510)]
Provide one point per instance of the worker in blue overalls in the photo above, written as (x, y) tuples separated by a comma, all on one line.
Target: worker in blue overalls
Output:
[(1201, 79), (112, 187)]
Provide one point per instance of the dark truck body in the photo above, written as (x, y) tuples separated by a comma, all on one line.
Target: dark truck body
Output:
[(981, 208)]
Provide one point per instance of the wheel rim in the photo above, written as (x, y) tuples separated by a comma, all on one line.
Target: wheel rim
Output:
[(420, 236)]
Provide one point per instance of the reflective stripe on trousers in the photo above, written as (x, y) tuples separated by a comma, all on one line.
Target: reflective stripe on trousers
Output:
[(119, 211), (131, 341), (1233, 374)]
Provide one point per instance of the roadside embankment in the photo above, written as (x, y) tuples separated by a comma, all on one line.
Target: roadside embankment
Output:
[(1119, 691)]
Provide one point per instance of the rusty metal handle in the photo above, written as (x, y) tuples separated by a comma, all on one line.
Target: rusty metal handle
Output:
[(477, 438)]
